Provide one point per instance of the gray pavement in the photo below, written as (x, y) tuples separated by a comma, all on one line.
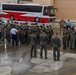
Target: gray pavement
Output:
[(19, 61), (21, 64), (67, 66)]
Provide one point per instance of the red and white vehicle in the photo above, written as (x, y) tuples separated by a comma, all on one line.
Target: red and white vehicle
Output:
[(27, 12)]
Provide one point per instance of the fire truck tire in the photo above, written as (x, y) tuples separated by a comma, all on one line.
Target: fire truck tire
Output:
[(37, 19), (12, 17)]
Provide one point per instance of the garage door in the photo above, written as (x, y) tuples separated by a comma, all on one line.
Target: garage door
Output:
[(66, 9)]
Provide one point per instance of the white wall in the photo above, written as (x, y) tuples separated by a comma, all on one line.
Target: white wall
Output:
[(6, 1), (48, 2)]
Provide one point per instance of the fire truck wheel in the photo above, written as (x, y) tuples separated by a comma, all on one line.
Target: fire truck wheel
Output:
[(37, 19), (11, 17)]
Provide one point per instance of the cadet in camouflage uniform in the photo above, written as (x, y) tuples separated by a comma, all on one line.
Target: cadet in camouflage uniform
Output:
[(61, 23), (33, 40), (72, 39), (26, 32), (47, 33), (64, 38), (38, 33), (43, 44), (51, 33), (35, 28), (0, 21), (42, 28), (8, 27), (56, 43), (68, 36), (22, 33), (17, 25), (75, 41), (2, 31), (19, 35), (20, 27), (0, 34), (30, 29)]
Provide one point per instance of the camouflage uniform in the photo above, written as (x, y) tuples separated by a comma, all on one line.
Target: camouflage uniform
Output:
[(75, 40), (51, 33), (61, 23), (72, 39), (47, 33), (43, 44), (8, 32), (64, 38), (68, 36), (33, 40)]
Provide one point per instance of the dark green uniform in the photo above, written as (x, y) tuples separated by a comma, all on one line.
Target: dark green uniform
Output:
[(51, 33), (2, 31), (72, 39), (68, 37), (64, 38), (8, 32), (47, 33), (43, 44), (29, 33), (56, 43), (33, 40), (22, 33), (75, 41)]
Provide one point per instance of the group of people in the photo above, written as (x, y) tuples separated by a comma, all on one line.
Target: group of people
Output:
[(69, 34), (33, 35), (43, 38), (64, 23)]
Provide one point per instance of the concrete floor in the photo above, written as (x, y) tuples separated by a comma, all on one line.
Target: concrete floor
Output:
[(69, 68), (19, 59)]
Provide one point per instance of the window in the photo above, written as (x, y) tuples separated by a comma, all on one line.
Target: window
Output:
[(34, 8), (45, 11), (0, 5), (25, 1), (22, 8), (51, 11)]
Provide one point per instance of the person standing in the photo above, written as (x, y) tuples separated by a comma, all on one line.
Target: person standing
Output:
[(75, 40), (19, 35), (47, 31), (33, 41), (61, 23), (56, 44), (51, 33), (8, 27), (72, 39), (13, 33), (64, 37), (43, 43), (68, 24), (68, 36)]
